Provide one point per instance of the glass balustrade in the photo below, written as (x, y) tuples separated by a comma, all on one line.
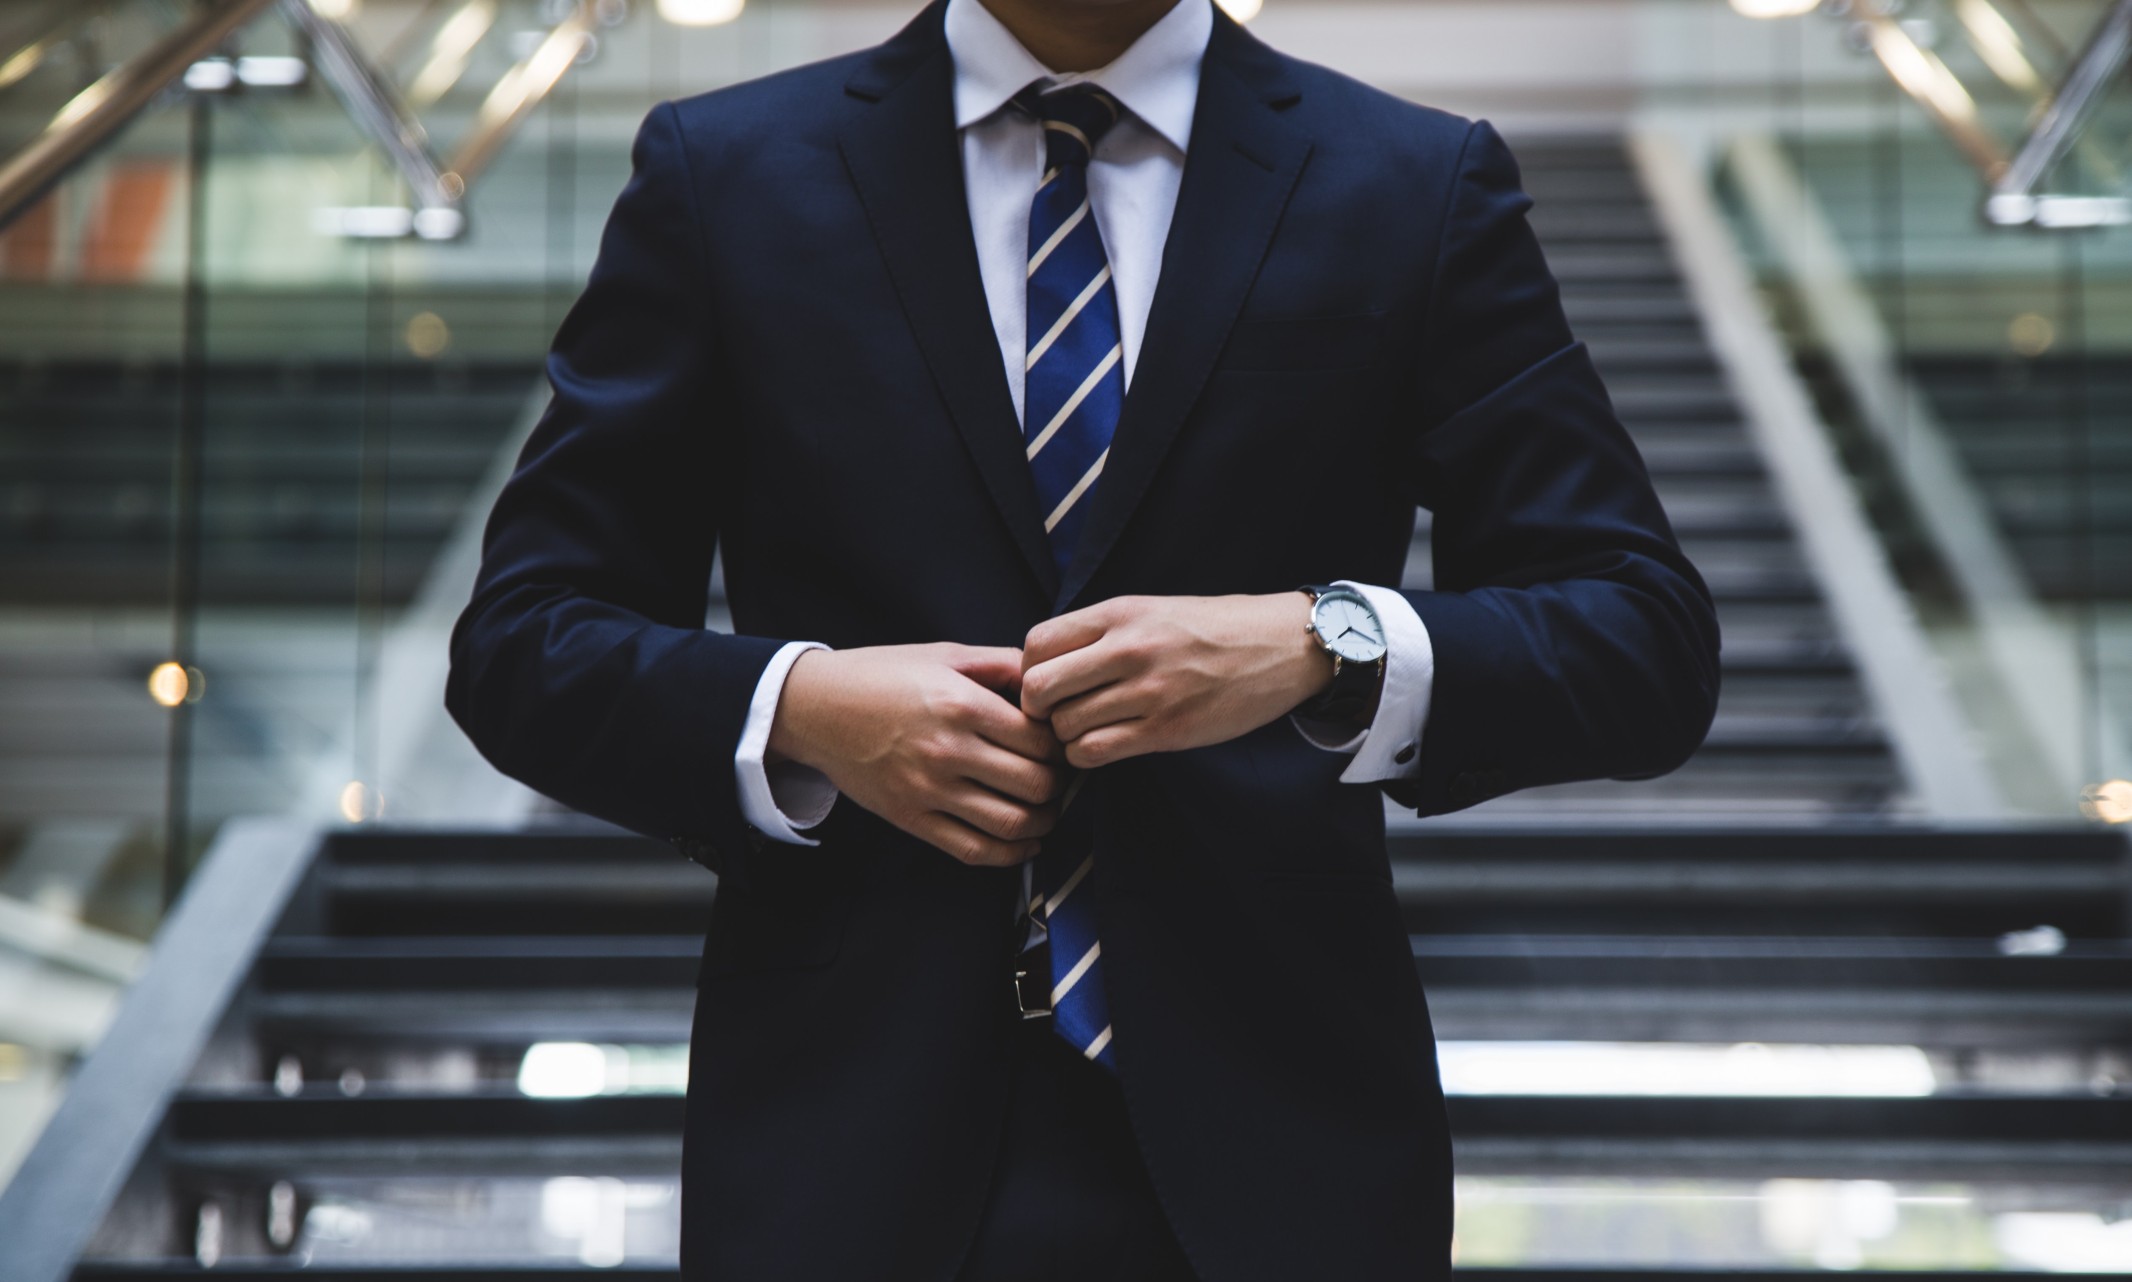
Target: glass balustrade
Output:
[(1933, 198), (249, 401)]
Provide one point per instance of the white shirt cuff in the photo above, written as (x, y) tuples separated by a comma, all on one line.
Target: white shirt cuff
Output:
[(1390, 748), (783, 800)]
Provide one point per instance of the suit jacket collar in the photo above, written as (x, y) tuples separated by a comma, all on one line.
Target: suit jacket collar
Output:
[(1157, 79), (904, 157)]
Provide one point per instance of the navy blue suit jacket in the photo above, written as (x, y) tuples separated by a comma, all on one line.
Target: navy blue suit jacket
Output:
[(784, 352)]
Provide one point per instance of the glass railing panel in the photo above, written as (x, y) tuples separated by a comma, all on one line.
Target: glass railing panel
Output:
[(236, 435), (2024, 92), (2017, 344), (365, 387), (91, 396), (1968, 368)]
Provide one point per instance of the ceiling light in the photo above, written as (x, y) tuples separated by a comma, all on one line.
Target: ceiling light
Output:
[(1774, 8), (2110, 802), (562, 1070), (700, 13), (171, 684), (360, 803)]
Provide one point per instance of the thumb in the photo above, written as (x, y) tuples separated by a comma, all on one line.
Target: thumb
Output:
[(995, 667)]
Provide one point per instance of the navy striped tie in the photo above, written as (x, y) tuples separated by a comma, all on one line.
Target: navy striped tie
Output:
[(1075, 386), (1075, 375)]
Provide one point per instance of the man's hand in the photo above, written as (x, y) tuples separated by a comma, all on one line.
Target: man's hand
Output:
[(1160, 674), (927, 737)]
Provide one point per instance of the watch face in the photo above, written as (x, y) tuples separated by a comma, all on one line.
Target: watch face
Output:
[(1349, 627)]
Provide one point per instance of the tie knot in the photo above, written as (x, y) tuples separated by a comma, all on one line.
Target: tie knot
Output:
[(1074, 118)]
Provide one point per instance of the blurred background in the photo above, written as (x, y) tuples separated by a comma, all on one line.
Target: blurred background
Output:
[(291, 981)]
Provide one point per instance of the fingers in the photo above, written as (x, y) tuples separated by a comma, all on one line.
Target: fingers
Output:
[(1069, 632), (996, 816), (1119, 701), (996, 668), (1000, 722), (1111, 743), (967, 844), (1035, 782), (1055, 681)]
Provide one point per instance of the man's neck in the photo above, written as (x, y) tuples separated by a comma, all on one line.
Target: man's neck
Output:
[(1068, 36)]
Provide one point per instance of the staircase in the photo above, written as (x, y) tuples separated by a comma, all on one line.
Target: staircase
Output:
[(405, 1072)]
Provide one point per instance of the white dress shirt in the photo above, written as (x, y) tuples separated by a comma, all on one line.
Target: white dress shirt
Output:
[(1132, 189)]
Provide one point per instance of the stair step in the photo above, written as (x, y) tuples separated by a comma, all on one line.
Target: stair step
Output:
[(1939, 1137)]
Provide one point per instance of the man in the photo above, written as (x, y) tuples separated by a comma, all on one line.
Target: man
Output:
[(1060, 380)]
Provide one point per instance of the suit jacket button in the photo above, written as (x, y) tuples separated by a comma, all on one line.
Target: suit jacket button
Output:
[(1463, 790)]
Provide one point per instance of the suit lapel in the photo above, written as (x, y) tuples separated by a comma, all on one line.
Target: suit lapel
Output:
[(905, 158), (1241, 166)]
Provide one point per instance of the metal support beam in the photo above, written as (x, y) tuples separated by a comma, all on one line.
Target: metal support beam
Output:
[(59, 1195), (100, 111), (2014, 199), (379, 112)]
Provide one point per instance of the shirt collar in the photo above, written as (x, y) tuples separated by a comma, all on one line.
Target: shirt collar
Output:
[(1157, 78)]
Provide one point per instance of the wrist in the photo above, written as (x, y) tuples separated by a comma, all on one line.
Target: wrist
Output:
[(792, 724), (1307, 668)]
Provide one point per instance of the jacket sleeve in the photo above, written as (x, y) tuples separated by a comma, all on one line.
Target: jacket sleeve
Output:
[(581, 667), (1573, 640)]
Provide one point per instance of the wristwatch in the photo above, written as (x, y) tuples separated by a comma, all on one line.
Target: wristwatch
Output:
[(1344, 622)]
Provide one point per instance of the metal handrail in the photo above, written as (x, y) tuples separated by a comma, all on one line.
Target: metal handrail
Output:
[(27, 57), (520, 90), (1935, 89), (2013, 181), (101, 110), (379, 111), (438, 190), (2014, 197)]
